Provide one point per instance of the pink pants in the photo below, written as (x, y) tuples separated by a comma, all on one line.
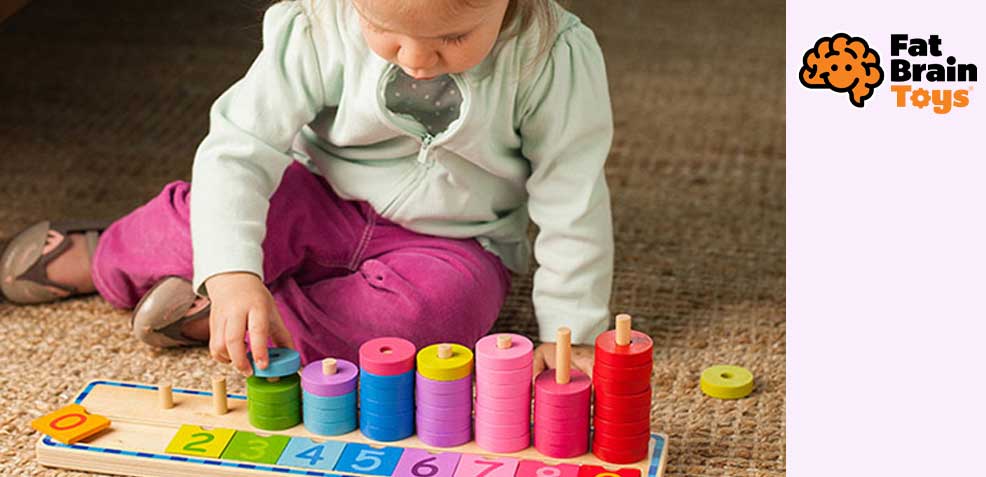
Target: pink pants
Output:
[(339, 272)]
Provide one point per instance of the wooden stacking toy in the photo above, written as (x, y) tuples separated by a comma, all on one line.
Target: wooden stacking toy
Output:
[(163, 430), (386, 382), (504, 368), (561, 405), (621, 375), (274, 394), (443, 395), (329, 396)]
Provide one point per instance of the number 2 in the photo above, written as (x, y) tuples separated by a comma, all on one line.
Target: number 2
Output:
[(206, 438)]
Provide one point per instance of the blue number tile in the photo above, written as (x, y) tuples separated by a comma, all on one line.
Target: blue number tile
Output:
[(303, 452), (364, 459)]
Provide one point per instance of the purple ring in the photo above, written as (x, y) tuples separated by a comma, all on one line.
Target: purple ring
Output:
[(319, 384)]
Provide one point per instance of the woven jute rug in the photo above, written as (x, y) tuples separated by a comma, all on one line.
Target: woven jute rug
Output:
[(104, 102)]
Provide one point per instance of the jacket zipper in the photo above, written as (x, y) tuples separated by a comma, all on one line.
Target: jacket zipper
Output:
[(426, 139), (425, 147)]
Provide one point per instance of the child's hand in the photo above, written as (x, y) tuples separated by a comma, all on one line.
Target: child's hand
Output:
[(240, 304), (544, 357)]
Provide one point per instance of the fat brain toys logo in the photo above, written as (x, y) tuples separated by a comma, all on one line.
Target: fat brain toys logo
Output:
[(843, 64), (846, 64)]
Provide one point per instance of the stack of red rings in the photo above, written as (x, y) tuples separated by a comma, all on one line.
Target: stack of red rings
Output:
[(621, 377)]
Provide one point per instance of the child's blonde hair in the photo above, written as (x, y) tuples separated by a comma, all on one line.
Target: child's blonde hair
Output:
[(520, 16)]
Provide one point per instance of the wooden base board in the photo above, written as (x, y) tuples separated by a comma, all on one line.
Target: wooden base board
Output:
[(135, 442)]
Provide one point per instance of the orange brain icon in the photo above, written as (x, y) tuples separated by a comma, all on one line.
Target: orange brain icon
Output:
[(843, 64)]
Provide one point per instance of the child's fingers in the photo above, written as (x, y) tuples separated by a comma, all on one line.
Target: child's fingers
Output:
[(539, 365), (279, 332), (235, 331), (583, 363), (257, 325), (217, 337)]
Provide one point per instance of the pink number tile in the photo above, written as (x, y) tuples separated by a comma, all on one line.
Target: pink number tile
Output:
[(421, 463), (471, 465), (534, 468)]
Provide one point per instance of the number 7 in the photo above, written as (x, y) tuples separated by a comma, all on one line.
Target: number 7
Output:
[(493, 465)]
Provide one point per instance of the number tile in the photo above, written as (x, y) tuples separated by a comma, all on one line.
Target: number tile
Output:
[(471, 465), (249, 447), (304, 452), (70, 424), (365, 459), (534, 468), (421, 463), (194, 440), (597, 471)]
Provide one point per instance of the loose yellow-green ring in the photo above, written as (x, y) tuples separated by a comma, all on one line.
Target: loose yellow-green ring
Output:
[(727, 382)]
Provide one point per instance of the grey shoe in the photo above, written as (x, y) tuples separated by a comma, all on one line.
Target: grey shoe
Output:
[(24, 262), (160, 314)]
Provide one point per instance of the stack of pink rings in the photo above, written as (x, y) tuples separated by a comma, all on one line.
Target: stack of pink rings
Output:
[(504, 369), (561, 414)]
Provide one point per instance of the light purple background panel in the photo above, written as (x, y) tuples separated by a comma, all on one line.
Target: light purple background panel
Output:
[(885, 254)]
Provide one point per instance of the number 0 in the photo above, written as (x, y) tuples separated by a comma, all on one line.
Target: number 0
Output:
[(79, 420)]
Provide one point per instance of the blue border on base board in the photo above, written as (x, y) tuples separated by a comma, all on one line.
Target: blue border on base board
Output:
[(655, 460)]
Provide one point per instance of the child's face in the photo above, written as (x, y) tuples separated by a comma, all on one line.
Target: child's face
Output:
[(429, 38)]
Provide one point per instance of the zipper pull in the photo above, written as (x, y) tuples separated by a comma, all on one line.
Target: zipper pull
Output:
[(423, 152)]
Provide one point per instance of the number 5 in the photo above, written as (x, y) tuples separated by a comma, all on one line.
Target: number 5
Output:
[(368, 455)]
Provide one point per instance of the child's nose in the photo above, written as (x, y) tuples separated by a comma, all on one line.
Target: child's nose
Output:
[(415, 56)]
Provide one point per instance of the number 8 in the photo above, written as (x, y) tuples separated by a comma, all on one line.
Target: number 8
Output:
[(548, 472)]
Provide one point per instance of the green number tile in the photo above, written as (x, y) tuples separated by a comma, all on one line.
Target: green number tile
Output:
[(249, 447)]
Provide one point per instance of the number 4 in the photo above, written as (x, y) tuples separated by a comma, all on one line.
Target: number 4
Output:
[(314, 455)]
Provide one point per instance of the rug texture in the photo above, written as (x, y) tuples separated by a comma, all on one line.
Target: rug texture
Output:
[(104, 102)]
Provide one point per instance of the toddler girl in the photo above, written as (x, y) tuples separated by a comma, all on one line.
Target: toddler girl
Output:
[(372, 174)]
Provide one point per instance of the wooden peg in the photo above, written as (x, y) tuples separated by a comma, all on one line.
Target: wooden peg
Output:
[(444, 351), (563, 356), (330, 366), (219, 404), (273, 380), (623, 329), (503, 341), (165, 396)]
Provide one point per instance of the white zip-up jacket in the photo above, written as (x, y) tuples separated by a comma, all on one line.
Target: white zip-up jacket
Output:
[(529, 144)]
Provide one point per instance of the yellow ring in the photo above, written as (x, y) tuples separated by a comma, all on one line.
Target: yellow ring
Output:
[(727, 382), (453, 368)]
